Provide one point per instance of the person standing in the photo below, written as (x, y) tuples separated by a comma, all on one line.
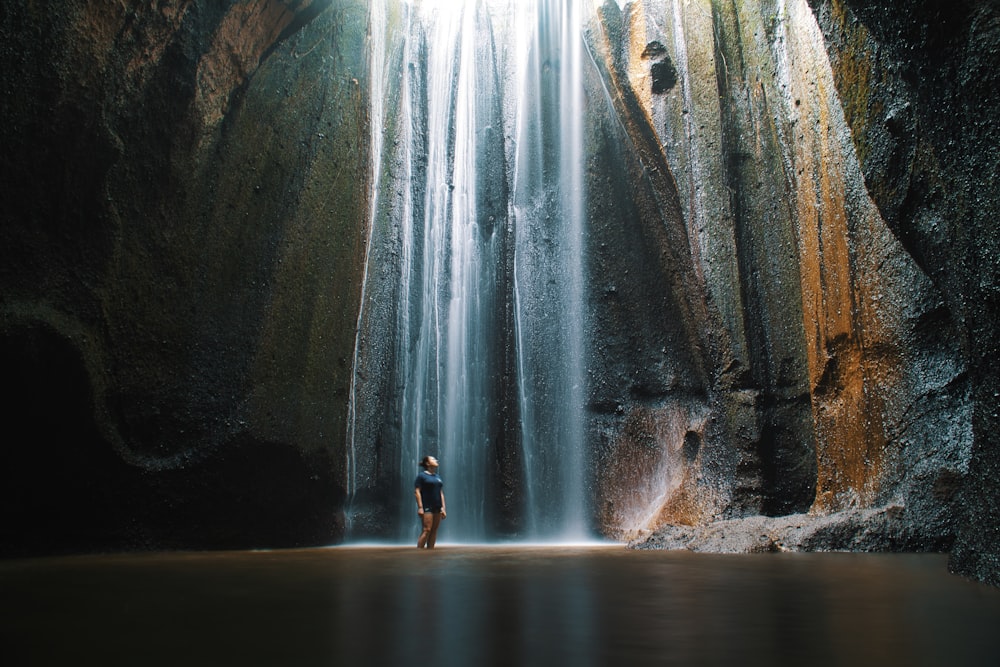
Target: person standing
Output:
[(429, 491)]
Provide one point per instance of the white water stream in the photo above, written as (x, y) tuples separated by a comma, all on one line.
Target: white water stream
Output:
[(548, 200), (480, 82)]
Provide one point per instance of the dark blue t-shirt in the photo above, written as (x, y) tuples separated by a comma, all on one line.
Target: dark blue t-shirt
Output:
[(430, 490)]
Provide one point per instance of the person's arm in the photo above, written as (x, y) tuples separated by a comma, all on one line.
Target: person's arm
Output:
[(420, 502), (443, 513)]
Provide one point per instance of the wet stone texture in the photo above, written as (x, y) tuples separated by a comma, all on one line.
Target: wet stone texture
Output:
[(839, 389), (917, 85), (182, 187)]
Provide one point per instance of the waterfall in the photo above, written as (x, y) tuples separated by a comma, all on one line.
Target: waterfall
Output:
[(548, 217), (449, 281), (483, 148)]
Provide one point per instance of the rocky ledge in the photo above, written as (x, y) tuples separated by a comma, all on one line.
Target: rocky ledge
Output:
[(883, 529)]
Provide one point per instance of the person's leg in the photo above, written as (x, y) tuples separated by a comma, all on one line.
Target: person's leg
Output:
[(435, 522), (427, 523)]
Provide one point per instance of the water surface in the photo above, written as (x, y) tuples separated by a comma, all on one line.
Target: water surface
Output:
[(494, 606)]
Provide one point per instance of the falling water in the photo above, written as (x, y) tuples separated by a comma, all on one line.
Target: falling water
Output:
[(488, 222), (377, 30), (548, 217), (451, 252)]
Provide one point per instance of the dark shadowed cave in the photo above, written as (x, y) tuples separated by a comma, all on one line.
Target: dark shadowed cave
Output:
[(185, 226)]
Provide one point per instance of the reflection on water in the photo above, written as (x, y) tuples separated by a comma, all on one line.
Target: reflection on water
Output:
[(494, 606)]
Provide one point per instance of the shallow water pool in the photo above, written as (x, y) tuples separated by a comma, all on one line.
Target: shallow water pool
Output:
[(512, 605)]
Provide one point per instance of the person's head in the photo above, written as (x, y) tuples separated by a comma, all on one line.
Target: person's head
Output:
[(429, 463)]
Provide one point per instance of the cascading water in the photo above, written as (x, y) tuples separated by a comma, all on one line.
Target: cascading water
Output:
[(450, 280), (377, 23), (548, 217), (487, 222)]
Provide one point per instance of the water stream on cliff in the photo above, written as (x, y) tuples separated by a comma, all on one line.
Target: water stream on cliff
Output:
[(448, 280), (548, 202), (487, 212)]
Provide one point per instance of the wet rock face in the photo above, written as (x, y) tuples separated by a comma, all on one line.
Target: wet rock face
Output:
[(662, 72), (838, 379), (900, 375), (179, 278), (915, 85)]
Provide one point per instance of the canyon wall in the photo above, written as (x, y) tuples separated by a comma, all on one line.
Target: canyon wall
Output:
[(183, 225), (792, 271), (836, 371), (917, 83)]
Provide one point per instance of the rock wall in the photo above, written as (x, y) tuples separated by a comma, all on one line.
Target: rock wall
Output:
[(917, 82), (184, 193), (835, 371)]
